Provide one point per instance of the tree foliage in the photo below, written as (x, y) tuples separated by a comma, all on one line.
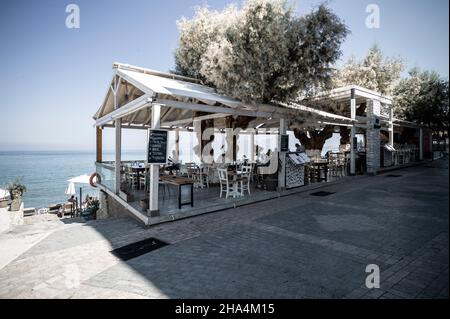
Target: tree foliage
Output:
[(261, 52), (422, 97), (375, 72)]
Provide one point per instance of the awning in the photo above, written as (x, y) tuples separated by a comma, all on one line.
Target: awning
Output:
[(134, 90)]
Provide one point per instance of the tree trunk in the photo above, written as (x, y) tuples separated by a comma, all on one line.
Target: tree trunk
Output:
[(234, 123), (317, 139)]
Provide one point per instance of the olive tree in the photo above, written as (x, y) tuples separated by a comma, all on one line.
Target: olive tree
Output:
[(422, 97), (375, 72), (263, 52)]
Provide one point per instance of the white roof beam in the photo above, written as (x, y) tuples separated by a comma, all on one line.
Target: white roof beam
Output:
[(134, 106)]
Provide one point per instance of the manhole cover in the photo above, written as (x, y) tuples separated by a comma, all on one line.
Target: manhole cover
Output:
[(322, 194), (393, 175), (138, 249)]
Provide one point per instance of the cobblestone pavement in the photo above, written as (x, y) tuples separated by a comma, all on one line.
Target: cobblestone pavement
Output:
[(300, 246)]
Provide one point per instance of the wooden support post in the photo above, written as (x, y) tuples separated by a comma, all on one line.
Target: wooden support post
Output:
[(118, 129), (99, 142), (353, 134), (252, 147), (177, 146), (198, 133), (391, 127), (118, 135), (421, 144), (154, 169), (282, 170)]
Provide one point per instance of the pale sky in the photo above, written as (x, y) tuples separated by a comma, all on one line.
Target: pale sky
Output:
[(53, 79)]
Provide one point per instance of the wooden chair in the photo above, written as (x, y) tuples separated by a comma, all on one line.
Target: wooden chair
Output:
[(204, 176), (144, 179), (131, 178), (246, 175), (226, 185)]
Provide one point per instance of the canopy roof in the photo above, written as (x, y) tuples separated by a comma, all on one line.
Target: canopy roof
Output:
[(134, 90)]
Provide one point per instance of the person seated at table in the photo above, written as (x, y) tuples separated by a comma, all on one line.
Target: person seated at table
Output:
[(173, 165), (88, 201), (299, 148)]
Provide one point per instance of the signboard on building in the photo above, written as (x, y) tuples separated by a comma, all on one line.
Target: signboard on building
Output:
[(284, 145), (157, 147)]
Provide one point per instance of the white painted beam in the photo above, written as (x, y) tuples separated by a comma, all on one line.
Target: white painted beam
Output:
[(353, 133), (134, 106), (282, 170), (154, 169)]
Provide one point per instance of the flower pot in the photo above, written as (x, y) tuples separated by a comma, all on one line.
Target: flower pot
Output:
[(144, 204), (16, 203)]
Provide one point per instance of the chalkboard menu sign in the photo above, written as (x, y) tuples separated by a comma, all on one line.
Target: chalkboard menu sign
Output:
[(157, 147), (284, 143)]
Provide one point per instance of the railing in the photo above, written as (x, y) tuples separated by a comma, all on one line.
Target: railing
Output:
[(107, 172)]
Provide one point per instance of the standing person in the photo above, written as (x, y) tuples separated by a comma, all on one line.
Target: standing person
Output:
[(73, 201)]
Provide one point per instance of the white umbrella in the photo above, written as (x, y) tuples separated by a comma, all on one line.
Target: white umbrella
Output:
[(71, 189), (4, 193), (83, 179)]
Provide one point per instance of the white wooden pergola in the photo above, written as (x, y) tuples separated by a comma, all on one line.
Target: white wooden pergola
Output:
[(139, 98)]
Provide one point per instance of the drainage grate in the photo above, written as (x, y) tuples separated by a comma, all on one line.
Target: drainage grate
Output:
[(429, 166), (393, 175), (138, 249), (321, 194)]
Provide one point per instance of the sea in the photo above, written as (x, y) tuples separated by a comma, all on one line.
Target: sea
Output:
[(46, 173)]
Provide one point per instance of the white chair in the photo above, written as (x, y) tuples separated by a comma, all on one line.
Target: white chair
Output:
[(204, 176), (131, 177), (246, 175), (226, 185)]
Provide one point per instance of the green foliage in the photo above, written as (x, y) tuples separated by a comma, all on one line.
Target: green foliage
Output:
[(374, 72), (422, 97), (16, 188), (262, 52)]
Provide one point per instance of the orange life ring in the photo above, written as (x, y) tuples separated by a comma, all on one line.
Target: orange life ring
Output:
[(91, 179)]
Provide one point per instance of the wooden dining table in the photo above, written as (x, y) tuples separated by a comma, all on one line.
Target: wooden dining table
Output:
[(180, 182)]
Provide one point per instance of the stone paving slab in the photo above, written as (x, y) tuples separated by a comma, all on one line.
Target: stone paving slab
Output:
[(298, 246)]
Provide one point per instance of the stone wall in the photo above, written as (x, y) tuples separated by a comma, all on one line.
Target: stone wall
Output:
[(10, 219), (110, 208)]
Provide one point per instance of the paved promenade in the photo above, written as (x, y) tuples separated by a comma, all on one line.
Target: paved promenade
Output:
[(300, 246)]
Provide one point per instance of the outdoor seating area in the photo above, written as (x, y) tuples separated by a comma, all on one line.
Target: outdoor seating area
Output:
[(169, 107), (184, 187)]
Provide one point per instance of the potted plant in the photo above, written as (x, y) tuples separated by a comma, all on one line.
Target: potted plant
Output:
[(16, 189)]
